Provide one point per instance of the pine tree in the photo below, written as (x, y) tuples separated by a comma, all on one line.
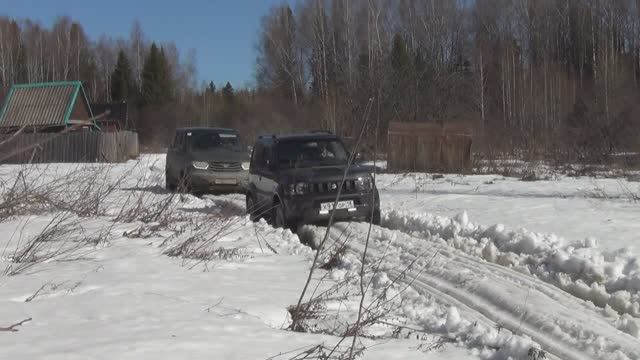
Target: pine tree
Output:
[(211, 88), (156, 78), (228, 93), (150, 73), (401, 65), (400, 59), (121, 78), (165, 82)]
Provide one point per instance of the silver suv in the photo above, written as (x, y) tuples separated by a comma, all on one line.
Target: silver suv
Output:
[(203, 160)]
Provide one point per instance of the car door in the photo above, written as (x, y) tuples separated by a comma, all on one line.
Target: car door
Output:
[(178, 164), (255, 172), (171, 157), (268, 183)]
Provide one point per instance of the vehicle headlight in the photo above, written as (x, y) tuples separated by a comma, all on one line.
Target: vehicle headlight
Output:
[(300, 188), (245, 165), (200, 165), (365, 183)]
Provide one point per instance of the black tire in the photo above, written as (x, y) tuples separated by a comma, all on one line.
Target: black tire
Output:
[(376, 217), (250, 205), (168, 184), (183, 184), (279, 219)]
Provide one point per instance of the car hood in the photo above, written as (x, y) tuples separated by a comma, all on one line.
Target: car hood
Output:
[(325, 173), (219, 155)]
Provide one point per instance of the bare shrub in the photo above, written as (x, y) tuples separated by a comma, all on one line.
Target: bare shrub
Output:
[(203, 237), (536, 354), (62, 239), (145, 231), (13, 328), (321, 352), (81, 191), (630, 194), (42, 247), (34, 190), (142, 207)]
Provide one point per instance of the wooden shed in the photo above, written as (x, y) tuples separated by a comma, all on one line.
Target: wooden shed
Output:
[(46, 107), (112, 117), (54, 122), (429, 147)]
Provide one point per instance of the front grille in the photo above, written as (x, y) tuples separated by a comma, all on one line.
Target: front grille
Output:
[(348, 186), (225, 166)]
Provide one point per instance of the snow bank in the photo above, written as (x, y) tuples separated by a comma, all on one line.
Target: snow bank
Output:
[(400, 311), (606, 278)]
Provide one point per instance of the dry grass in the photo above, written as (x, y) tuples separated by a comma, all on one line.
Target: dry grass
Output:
[(320, 352)]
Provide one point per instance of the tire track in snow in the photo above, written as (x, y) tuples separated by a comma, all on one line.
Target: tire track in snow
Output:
[(563, 325), (581, 270)]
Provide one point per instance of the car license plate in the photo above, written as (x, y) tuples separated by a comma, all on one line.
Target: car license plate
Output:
[(348, 204), (226, 181)]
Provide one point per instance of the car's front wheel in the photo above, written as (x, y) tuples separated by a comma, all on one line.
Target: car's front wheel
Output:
[(184, 185), (279, 218), (376, 217), (168, 184), (250, 205)]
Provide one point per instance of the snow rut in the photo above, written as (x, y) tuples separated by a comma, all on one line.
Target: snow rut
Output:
[(496, 296), (610, 280)]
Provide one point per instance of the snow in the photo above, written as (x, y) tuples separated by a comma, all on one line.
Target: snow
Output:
[(484, 306), (479, 266), (573, 208)]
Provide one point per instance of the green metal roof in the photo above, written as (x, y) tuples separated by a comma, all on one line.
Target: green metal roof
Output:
[(42, 104)]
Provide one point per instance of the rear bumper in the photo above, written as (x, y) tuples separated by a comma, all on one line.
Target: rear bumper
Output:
[(206, 180), (306, 209)]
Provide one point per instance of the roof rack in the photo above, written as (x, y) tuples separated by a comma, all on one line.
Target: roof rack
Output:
[(321, 132), (263, 136)]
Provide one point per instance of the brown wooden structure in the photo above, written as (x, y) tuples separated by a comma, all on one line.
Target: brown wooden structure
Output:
[(429, 147), (46, 107), (75, 146)]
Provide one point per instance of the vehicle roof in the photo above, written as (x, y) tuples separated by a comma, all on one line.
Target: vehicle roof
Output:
[(202, 128), (301, 136)]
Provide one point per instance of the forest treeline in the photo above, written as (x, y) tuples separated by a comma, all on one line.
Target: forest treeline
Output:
[(548, 77), (533, 77)]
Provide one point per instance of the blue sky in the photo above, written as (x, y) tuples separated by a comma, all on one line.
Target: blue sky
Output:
[(223, 32)]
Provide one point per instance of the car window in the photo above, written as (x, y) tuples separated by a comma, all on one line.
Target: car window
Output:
[(303, 153), (207, 140)]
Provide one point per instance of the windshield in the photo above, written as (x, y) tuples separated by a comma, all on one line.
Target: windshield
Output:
[(204, 140), (304, 153)]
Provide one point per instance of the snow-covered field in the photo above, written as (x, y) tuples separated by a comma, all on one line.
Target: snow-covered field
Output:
[(106, 264)]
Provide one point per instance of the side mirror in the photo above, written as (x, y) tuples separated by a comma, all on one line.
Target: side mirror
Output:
[(358, 157)]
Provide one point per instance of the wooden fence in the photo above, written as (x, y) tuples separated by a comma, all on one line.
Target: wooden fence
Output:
[(81, 146), (429, 147)]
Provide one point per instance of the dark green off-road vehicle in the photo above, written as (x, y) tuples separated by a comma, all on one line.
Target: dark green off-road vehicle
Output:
[(294, 180)]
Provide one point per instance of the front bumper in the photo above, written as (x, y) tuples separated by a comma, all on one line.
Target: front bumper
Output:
[(207, 180), (305, 209)]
